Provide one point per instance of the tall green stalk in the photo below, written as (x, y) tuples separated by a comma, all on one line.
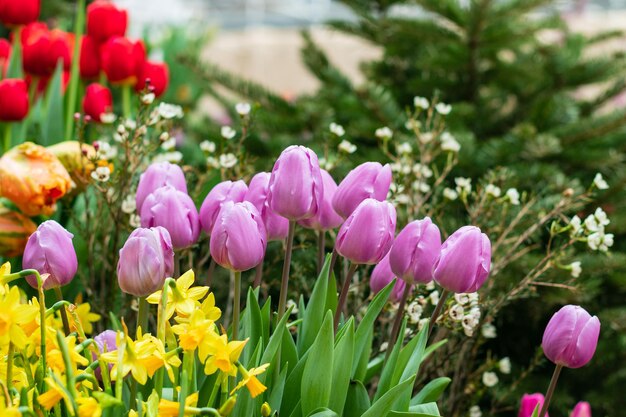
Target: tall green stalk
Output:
[(284, 284), (72, 89), (236, 305)]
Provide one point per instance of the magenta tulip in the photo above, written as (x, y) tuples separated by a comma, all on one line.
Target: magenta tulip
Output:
[(528, 404), (239, 239), (105, 342), (382, 275), (156, 176), (146, 259), (277, 226), (50, 251), (221, 193), (366, 236), (415, 251), (464, 262), (175, 211), (296, 188), (326, 218), (582, 409), (571, 337), (368, 180)]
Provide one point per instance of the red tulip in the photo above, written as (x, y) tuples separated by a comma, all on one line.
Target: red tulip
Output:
[(13, 100), (97, 101), (36, 46), (5, 54), (105, 20), (89, 58), (61, 48), (122, 60), (157, 73), (19, 12)]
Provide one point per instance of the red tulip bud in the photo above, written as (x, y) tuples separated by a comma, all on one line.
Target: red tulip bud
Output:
[(154, 74), (13, 100), (122, 60), (97, 101), (89, 58), (105, 20), (19, 12)]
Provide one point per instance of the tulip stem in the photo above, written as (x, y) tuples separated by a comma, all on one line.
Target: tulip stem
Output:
[(321, 249), (437, 311), (344, 293), (258, 275), (66, 323), (6, 137), (142, 315), (553, 381), (209, 277), (236, 305), (284, 284), (398, 320), (72, 92), (126, 101), (10, 368)]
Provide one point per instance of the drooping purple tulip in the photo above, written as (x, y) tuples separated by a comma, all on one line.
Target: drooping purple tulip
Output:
[(156, 176), (146, 259), (368, 180), (295, 187), (528, 404), (326, 218), (239, 239), (382, 275), (582, 409), (464, 262), (415, 251), (175, 211), (571, 337), (277, 226), (222, 192), (50, 251), (367, 235)]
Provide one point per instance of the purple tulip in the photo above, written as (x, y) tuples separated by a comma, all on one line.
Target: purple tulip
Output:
[(326, 218), (50, 251), (222, 192), (156, 176), (368, 180), (146, 259), (277, 226), (464, 262), (239, 239), (366, 236), (571, 337), (415, 251), (382, 275), (295, 187), (105, 342), (529, 403), (582, 409), (175, 211)]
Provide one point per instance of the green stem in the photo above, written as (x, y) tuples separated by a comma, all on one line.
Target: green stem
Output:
[(213, 395), (553, 381), (69, 370), (142, 315), (187, 374), (66, 323), (398, 320), (284, 285), (6, 137), (435, 315), (236, 305), (321, 249), (126, 101), (224, 390), (344, 293), (72, 90), (10, 366), (161, 322)]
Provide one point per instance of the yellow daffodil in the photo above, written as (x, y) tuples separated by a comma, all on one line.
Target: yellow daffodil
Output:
[(222, 354), (184, 299), (18, 379), (170, 408), (55, 357), (88, 407), (13, 315), (168, 361), (194, 332), (250, 380), (85, 316), (5, 269), (9, 411), (53, 395)]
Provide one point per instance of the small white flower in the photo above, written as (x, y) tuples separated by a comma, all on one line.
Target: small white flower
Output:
[(169, 111), (434, 297), (228, 160), (461, 298), (473, 298), (228, 132), (101, 174), (243, 109), (449, 143), (469, 321), (347, 147), (169, 144), (463, 185), (421, 186), (488, 331), (384, 346), (291, 303), (135, 220), (504, 365), (414, 311), (576, 224), (404, 148), (474, 411), (129, 204), (475, 312), (172, 157), (450, 194), (575, 269), (443, 108), (469, 331), (601, 216), (600, 241), (456, 312), (421, 102), (599, 182), (107, 118), (493, 190), (490, 379), (121, 129), (164, 136), (422, 323), (412, 124), (105, 150), (119, 138), (422, 170), (148, 98), (430, 286), (384, 133), (402, 199), (142, 130), (336, 129), (212, 162), (207, 146), (513, 195), (426, 137), (130, 124)]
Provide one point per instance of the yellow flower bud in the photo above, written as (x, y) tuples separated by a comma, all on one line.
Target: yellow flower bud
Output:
[(266, 410), (76, 158), (228, 406)]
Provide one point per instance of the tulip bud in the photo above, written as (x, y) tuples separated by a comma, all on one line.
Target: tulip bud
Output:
[(13, 100), (326, 218), (295, 187), (122, 60), (368, 180), (50, 251), (382, 275), (175, 211), (61, 48), (464, 262), (529, 403), (19, 12), (146, 259), (220, 194), (5, 55), (33, 179), (97, 101), (158, 74), (238, 239), (105, 20), (89, 63), (582, 409), (15, 228), (105, 342), (367, 235), (415, 251), (571, 337), (277, 226), (156, 176), (36, 47)]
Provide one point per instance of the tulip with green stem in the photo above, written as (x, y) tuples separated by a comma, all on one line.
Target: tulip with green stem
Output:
[(284, 281), (344, 293)]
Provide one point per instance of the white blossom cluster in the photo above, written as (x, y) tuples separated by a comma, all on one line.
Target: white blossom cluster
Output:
[(592, 229), (465, 310)]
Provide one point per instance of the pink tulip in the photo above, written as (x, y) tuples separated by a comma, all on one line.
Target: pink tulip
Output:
[(326, 218), (415, 251), (529, 403), (156, 176), (277, 226), (368, 180), (582, 409), (221, 193), (382, 275)]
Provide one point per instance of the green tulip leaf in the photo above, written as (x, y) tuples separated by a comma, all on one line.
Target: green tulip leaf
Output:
[(314, 313), (357, 400), (431, 391), (317, 376), (342, 361), (386, 402)]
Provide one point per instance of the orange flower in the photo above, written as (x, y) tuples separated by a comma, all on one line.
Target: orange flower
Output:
[(76, 158), (15, 228), (33, 178)]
